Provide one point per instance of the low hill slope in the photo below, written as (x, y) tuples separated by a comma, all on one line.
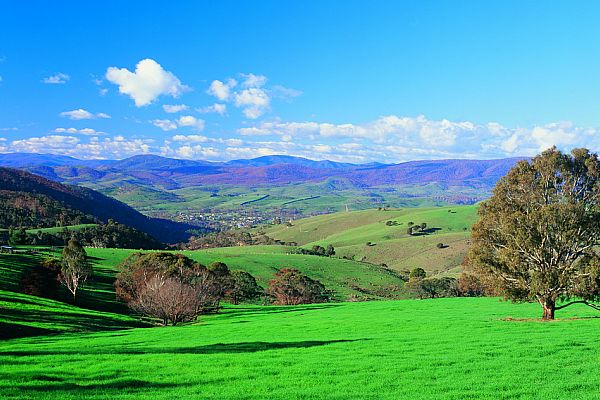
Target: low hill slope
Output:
[(345, 278), (447, 349), (32, 201), (380, 236)]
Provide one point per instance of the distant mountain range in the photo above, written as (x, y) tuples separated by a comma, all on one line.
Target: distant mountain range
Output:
[(167, 173)]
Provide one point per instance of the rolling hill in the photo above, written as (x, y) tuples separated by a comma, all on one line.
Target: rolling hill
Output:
[(271, 185), (380, 236), (35, 202)]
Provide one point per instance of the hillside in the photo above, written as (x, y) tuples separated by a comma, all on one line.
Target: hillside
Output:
[(406, 349), (364, 235), (264, 187), (35, 202)]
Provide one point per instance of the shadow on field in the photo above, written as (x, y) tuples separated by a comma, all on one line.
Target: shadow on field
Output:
[(60, 387), (245, 311), (218, 348)]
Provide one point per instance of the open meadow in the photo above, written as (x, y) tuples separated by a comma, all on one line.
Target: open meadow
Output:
[(445, 349)]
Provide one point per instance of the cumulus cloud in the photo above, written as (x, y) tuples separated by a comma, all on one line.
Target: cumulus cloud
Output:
[(193, 122), (146, 83), (59, 78), (253, 96), (174, 108), (164, 124), (84, 131), (253, 101), (190, 138), (183, 121), (392, 138), (221, 90), (216, 108), (253, 81), (80, 113), (388, 139)]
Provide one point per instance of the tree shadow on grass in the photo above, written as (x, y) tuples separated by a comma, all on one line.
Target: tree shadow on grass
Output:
[(218, 348)]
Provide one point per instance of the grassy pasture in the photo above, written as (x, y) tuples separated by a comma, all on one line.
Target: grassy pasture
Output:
[(459, 348), (343, 277), (349, 233)]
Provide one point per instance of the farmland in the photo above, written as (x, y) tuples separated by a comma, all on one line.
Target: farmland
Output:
[(364, 235), (385, 350)]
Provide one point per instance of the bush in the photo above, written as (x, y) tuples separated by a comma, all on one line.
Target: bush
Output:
[(244, 287), (291, 287), (171, 286)]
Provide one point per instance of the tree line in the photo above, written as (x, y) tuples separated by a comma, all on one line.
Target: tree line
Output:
[(109, 235)]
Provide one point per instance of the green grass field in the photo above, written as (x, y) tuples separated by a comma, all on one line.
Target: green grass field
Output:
[(349, 233), (343, 277), (460, 348)]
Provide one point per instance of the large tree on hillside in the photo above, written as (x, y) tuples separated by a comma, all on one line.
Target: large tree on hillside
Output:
[(75, 268), (536, 236)]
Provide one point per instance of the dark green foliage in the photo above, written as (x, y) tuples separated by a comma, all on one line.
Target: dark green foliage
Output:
[(110, 235), (17, 237), (317, 250), (536, 235), (433, 287), (42, 280), (291, 287), (417, 274), (30, 201), (229, 239), (244, 287)]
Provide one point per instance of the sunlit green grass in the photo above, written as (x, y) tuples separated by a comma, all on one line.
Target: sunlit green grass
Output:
[(460, 348), (349, 233), (341, 277)]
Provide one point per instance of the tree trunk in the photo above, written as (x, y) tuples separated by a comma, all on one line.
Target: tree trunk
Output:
[(548, 305)]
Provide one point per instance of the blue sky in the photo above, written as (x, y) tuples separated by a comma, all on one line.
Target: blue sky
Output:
[(341, 80)]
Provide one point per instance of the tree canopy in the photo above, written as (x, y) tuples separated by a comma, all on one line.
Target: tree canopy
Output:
[(536, 236)]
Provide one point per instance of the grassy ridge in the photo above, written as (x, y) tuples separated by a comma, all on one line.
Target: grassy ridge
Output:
[(376, 350), (350, 232), (343, 277)]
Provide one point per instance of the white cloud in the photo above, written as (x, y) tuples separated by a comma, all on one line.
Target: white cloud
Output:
[(183, 121), (280, 92), (84, 131), (253, 97), (253, 81), (59, 78), (188, 120), (190, 138), (164, 124), (146, 83), (102, 91), (8, 129), (174, 108), (393, 139), (216, 108), (254, 102), (221, 90), (80, 113)]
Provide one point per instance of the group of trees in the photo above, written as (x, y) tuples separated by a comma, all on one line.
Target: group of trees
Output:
[(236, 237), (109, 235), (416, 229), (174, 288), (317, 250), (72, 271)]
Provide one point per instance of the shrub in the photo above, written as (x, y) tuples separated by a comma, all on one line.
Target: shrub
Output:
[(291, 287)]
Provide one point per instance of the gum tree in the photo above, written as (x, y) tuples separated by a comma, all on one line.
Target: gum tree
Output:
[(537, 236)]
